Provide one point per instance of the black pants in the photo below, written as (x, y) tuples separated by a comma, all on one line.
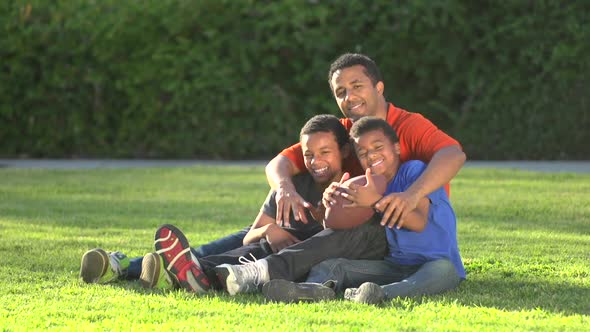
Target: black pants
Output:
[(367, 241), (259, 250)]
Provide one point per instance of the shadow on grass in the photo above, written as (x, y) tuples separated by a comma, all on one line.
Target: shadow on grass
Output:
[(506, 294), (220, 295)]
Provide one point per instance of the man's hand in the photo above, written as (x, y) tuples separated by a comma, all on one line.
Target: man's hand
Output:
[(317, 212), (289, 200), (394, 207), (278, 238), (362, 196)]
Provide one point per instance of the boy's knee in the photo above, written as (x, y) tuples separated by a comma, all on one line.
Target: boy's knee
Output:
[(442, 266), (328, 265)]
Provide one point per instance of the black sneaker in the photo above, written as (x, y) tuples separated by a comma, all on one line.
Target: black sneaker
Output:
[(368, 292), (280, 290)]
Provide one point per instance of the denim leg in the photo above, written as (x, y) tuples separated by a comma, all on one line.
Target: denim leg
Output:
[(222, 245), (134, 269), (352, 273), (431, 278), (216, 247)]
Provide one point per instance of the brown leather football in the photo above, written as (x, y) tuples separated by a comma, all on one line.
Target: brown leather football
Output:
[(338, 217)]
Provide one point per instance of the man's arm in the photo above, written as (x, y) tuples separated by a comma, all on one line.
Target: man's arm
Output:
[(414, 220), (441, 169), (280, 169), (278, 174)]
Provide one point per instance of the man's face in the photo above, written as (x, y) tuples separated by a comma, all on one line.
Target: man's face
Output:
[(356, 95), (323, 158), (375, 150)]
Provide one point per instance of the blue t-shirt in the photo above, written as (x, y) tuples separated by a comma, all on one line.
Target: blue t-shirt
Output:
[(439, 237)]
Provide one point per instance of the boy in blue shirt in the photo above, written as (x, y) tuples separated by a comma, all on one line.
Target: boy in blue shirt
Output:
[(423, 256)]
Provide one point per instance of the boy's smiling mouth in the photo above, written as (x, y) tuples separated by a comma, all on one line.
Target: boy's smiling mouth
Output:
[(377, 163), (320, 171)]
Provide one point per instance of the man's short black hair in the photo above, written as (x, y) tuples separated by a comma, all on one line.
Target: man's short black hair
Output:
[(326, 123), (352, 59), (370, 123)]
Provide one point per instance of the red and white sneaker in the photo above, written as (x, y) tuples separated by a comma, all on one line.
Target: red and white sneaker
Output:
[(173, 247)]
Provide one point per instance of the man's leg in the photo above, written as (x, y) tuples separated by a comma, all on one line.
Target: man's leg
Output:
[(222, 245)]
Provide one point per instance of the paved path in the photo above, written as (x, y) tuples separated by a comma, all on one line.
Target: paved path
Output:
[(540, 166)]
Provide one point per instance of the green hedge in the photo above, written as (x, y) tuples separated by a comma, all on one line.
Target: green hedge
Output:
[(237, 78)]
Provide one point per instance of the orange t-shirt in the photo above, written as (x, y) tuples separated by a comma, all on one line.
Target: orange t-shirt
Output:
[(419, 139)]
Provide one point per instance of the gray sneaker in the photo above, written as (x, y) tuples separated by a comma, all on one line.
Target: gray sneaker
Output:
[(368, 292), (280, 290), (242, 278)]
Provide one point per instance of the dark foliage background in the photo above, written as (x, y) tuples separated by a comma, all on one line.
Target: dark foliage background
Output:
[(236, 79)]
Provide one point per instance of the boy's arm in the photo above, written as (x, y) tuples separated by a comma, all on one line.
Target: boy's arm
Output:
[(264, 227), (278, 174)]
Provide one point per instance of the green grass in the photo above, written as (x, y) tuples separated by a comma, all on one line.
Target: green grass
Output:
[(524, 238)]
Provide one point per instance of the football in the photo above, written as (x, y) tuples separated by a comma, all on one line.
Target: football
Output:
[(339, 217)]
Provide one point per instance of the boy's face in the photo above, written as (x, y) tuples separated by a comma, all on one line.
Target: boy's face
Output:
[(355, 93), (375, 150), (323, 158)]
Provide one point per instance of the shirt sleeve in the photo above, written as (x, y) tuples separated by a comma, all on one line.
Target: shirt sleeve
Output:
[(295, 154), (422, 139)]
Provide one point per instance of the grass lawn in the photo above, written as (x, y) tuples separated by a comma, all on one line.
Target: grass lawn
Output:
[(524, 238)]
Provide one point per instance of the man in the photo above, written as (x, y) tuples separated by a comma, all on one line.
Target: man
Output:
[(358, 88)]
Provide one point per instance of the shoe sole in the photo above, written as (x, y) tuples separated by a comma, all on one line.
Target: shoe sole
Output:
[(94, 265), (173, 247), (150, 270), (279, 290)]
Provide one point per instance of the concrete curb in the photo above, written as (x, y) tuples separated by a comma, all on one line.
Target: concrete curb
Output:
[(539, 166)]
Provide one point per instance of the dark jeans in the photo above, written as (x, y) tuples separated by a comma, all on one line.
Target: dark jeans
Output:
[(219, 246), (364, 242), (251, 252)]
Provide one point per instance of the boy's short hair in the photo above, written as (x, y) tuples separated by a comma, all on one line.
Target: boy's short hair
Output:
[(326, 123), (370, 123), (352, 59)]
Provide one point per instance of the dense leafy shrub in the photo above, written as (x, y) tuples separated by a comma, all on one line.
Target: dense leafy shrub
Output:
[(236, 79)]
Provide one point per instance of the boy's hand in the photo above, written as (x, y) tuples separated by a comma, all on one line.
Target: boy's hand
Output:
[(330, 192), (394, 207), (362, 196), (288, 199), (278, 238)]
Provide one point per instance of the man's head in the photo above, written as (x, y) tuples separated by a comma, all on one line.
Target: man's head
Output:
[(357, 86), (325, 143), (376, 145)]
